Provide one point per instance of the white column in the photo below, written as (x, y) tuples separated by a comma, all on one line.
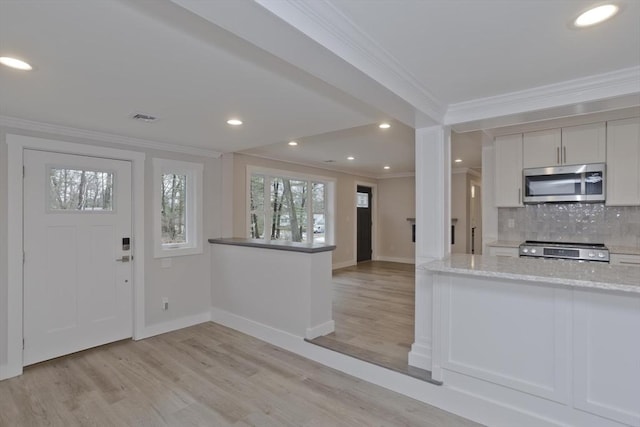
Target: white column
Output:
[(489, 210), (226, 217), (433, 225)]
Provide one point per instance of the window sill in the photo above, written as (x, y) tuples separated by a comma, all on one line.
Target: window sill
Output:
[(174, 252)]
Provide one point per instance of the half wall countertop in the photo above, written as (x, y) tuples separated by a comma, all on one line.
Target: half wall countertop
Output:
[(545, 271), (279, 245)]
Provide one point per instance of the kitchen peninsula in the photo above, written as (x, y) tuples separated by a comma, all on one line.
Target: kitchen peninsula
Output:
[(556, 337)]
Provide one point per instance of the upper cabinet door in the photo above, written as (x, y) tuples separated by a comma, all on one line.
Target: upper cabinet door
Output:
[(542, 149), (584, 144), (508, 178), (623, 162)]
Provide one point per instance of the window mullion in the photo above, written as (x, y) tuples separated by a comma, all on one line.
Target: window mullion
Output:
[(268, 210), (310, 230)]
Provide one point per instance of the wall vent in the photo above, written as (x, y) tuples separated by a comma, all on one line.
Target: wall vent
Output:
[(144, 117)]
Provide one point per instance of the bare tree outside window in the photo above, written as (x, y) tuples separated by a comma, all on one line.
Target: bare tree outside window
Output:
[(174, 209), (318, 196), (80, 190), (291, 216), (257, 206)]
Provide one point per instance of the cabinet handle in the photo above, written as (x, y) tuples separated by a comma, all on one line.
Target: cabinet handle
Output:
[(629, 263), (564, 152), (519, 195), (558, 155)]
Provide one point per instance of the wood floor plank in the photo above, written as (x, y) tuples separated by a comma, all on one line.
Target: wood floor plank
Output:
[(373, 310), (206, 375)]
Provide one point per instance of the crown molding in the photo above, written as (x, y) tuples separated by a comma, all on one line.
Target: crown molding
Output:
[(322, 21), (397, 175), (311, 165), (466, 171), (614, 84), (30, 125)]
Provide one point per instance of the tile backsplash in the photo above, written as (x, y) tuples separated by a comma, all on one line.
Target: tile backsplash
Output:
[(572, 222)]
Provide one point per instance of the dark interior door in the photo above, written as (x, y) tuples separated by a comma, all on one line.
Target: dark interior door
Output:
[(364, 223)]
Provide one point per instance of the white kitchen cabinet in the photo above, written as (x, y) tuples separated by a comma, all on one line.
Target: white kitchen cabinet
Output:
[(542, 148), (625, 259), (508, 178), (584, 144), (572, 145), (623, 162)]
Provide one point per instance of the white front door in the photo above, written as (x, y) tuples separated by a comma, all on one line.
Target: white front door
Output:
[(77, 273)]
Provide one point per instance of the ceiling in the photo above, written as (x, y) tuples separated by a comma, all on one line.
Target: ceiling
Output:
[(323, 73)]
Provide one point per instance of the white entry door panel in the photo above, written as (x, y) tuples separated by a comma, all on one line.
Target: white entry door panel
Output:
[(77, 286)]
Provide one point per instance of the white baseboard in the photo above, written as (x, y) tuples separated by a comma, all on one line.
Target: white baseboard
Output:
[(258, 330), (175, 324), (420, 356), (394, 259), (467, 405), (320, 330), (7, 371), (343, 264)]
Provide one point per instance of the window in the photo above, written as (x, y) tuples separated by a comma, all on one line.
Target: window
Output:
[(293, 208), (80, 190), (178, 206), (363, 200)]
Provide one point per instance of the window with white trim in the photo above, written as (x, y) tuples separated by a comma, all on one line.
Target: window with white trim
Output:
[(178, 203), (289, 207)]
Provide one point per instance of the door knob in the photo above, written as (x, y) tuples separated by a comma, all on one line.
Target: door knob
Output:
[(125, 258)]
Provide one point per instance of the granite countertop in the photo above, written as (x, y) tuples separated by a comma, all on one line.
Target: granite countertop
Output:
[(505, 244), (561, 272), (623, 250), (279, 245)]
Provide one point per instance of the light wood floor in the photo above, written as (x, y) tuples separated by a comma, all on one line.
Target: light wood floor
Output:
[(206, 375), (373, 309)]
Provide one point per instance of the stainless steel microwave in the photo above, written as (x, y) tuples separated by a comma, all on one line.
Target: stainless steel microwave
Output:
[(576, 183)]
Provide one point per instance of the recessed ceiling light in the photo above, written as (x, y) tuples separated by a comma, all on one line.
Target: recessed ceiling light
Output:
[(596, 15), (293, 143), (387, 167), (458, 160), (384, 126), (15, 63), (234, 122), (351, 158)]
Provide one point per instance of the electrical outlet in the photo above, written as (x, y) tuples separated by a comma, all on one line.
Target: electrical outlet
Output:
[(165, 304), (511, 223)]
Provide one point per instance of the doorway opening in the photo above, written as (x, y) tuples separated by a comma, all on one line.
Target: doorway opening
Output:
[(364, 208), (17, 144)]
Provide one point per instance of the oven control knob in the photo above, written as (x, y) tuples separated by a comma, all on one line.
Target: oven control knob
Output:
[(533, 250), (525, 250), (600, 255), (591, 255)]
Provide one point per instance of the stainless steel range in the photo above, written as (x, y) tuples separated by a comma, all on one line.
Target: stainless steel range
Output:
[(564, 250)]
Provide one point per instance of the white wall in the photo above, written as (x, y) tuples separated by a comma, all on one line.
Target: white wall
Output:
[(3, 251), (396, 203), (460, 210), (187, 283), (345, 187)]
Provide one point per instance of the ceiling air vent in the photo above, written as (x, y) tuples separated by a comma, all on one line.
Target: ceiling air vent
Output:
[(329, 161), (144, 117)]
